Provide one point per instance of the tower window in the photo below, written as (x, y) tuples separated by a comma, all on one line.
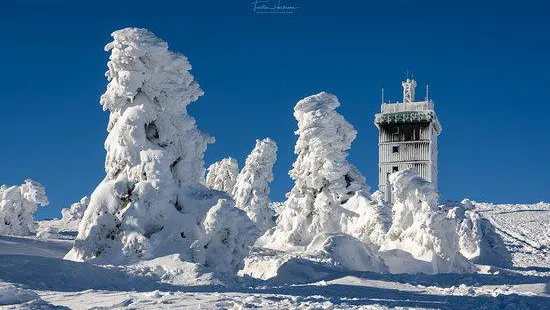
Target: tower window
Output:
[(395, 169), (395, 149), (395, 130)]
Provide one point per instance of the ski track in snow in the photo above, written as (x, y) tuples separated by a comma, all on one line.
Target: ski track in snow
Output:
[(34, 276)]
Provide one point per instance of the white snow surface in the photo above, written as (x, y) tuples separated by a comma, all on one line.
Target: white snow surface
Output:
[(222, 175), (251, 192), (33, 275), (152, 202), (18, 205)]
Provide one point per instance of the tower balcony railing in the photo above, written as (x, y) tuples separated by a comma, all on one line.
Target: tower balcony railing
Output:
[(409, 106)]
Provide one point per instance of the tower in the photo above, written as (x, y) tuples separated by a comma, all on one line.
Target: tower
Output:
[(407, 138)]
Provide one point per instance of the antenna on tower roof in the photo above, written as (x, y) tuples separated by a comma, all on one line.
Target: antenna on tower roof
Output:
[(382, 95), (427, 92)]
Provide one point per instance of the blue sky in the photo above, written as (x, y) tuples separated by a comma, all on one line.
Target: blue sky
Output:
[(487, 66)]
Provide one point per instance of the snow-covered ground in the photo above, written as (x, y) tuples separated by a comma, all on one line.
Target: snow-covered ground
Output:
[(33, 275)]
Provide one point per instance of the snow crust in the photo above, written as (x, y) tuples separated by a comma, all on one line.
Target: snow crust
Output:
[(18, 205), (152, 202), (251, 190), (222, 175)]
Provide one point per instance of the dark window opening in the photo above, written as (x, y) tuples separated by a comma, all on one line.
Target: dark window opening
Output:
[(395, 130), (395, 149), (395, 169)]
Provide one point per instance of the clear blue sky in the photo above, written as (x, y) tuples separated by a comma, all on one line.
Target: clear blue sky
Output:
[(487, 66)]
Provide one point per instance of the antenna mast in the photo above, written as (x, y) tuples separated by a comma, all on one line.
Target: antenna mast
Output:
[(427, 92), (382, 95)]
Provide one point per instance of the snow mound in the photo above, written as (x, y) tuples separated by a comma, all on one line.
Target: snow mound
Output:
[(251, 191), (327, 254), (12, 295), (222, 175), (346, 252), (423, 238), (17, 207), (152, 202)]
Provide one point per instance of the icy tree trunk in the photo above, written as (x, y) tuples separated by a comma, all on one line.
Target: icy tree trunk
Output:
[(18, 205), (152, 201), (324, 179), (251, 191), (222, 175)]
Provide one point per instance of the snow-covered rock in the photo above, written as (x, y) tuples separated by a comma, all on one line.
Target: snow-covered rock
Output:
[(222, 175), (251, 191), (152, 202), (422, 238), (324, 179), (17, 207)]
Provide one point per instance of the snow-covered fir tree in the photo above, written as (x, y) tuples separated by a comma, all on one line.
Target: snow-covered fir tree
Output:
[(251, 191), (222, 175), (152, 202), (73, 215), (18, 205), (421, 229), (324, 179)]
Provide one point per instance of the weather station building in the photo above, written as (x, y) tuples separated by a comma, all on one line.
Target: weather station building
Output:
[(408, 134)]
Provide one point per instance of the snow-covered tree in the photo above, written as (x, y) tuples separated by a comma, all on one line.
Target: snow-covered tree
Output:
[(17, 207), (251, 191), (324, 179), (421, 229), (75, 212), (222, 175), (152, 202)]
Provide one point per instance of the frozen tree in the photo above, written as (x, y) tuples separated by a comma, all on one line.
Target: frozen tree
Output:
[(71, 217), (17, 207), (324, 179), (222, 175), (421, 229), (75, 212), (223, 244), (152, 202), (251, 191)]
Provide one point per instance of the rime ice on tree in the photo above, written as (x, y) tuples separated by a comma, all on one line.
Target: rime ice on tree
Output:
[(408, 134), (324, 179), (251, 191), (222, 175), (17, 207), (152, 202)]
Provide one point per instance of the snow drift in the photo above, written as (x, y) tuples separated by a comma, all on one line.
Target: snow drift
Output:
[(152, 202), (17, 207)]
